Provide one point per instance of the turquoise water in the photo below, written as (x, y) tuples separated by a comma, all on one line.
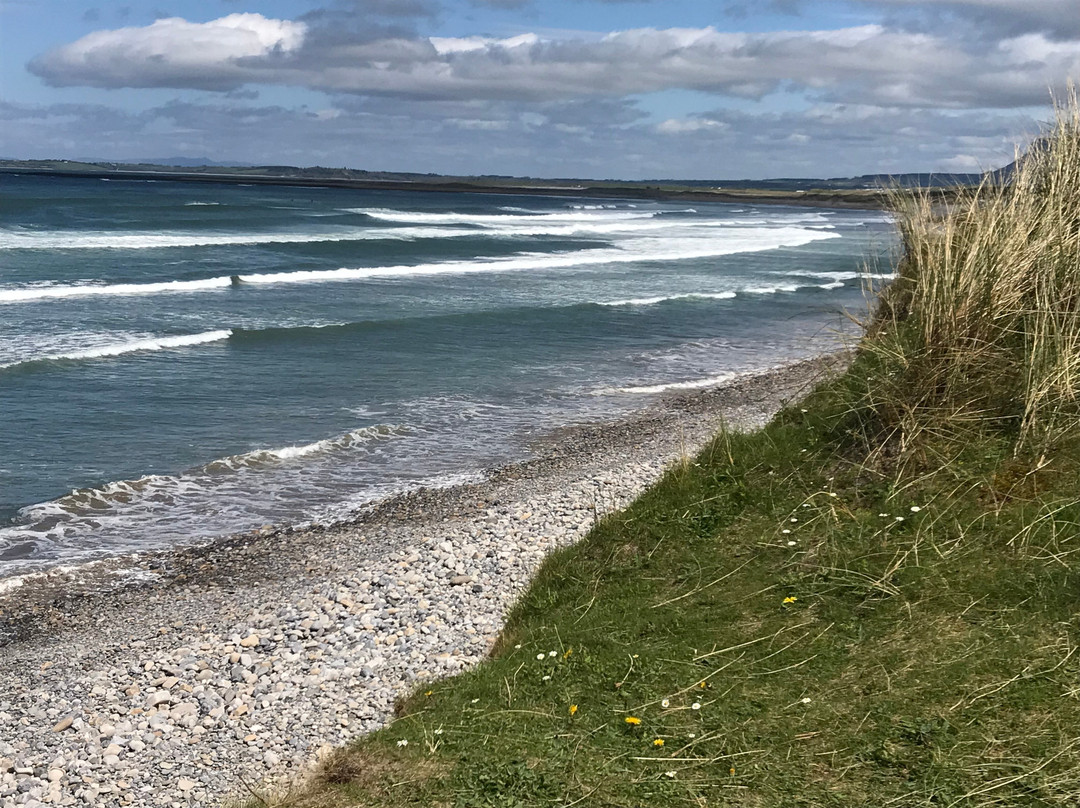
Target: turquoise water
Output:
[(181, 361)]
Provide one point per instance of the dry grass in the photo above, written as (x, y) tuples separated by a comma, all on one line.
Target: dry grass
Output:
[(982, 326)]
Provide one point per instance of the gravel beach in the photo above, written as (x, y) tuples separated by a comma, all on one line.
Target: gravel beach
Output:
[(174, 678)]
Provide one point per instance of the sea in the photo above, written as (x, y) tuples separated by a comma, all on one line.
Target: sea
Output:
[(182, 361)]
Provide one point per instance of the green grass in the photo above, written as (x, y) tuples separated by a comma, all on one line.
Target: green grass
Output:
[(871, 601), (928, 661)]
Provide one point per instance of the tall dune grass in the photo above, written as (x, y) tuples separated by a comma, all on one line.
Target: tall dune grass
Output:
[(981, 328)]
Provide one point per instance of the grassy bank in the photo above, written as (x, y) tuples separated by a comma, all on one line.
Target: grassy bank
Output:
[(871, 601)]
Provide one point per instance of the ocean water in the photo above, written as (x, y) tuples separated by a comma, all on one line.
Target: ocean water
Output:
[(182, 361)]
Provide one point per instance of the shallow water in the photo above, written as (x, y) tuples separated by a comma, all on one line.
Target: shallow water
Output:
[(179, 361)]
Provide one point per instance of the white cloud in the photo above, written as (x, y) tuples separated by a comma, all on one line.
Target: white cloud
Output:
[(171, 52), (448, 45), (867, 64), (681, 126)]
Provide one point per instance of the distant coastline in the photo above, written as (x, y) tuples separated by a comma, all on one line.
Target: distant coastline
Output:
[(858, 199)]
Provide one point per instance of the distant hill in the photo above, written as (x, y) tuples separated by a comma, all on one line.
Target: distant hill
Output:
[(864, 182), (177, 162)]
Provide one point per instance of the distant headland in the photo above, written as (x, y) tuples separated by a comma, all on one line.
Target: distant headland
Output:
[(865, 192)]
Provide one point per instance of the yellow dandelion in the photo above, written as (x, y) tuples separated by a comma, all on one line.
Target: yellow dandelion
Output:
[(658, 742), (573, 709), (569, 651), (701, 685), (731, 771), (633, 721), (428, 693), (790, 599)]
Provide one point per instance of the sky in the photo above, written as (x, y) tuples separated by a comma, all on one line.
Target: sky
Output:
[(627, 89)]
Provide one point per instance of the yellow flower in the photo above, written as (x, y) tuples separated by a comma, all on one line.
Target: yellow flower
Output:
[(573, 709), (731, 771), (632, 720), (790, 600), (428, 693), (701, 685), (658, 742), (569, 651)]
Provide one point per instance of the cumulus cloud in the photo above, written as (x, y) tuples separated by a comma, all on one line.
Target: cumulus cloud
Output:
[(865, 64), (172, 52)]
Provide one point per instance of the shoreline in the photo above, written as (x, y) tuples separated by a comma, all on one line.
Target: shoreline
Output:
[(850, 200), (216, 663)]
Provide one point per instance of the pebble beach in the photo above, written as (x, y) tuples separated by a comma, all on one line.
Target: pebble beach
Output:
[(174, 679)]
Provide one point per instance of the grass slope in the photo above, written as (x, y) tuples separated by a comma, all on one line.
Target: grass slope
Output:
[(872, 601), (875, 654)]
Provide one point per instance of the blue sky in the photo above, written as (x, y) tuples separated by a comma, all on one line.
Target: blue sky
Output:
[(695, 89)]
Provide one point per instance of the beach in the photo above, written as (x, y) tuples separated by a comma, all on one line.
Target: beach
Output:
[(177, 677)]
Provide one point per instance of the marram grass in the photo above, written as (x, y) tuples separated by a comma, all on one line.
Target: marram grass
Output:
[(982, 327)]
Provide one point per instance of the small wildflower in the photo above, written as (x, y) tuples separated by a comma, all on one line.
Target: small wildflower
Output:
[(833, 494), (899, 519), (438, 731), (696, 705), (701, 685), (517, 647), (692, 735), (539, 656), (791, 544), (806, 700), (785, 531), (794, 520), (545, 679), (801, 451), (915, 509), (883, 515), (670, 775), (806, 505), (804, 410), (790, 599), (658, 742), (474, 701), (403, 742), (731, 771), (632, 720), (428, 693), (569, 651), (553, 653), (573, 709), (665, 703)]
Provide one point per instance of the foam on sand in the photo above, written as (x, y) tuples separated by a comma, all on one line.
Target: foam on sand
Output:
[(693, 384)]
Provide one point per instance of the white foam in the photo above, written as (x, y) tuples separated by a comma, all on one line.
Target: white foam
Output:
[(118, 349), (348, 440), (154, 489), (424, 217), (85, 290), (841, 276), (693, 384), (770, 290), (632, 251), (200, 204), (8, 584), (126, 240), (679, 242), (651, 301)]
